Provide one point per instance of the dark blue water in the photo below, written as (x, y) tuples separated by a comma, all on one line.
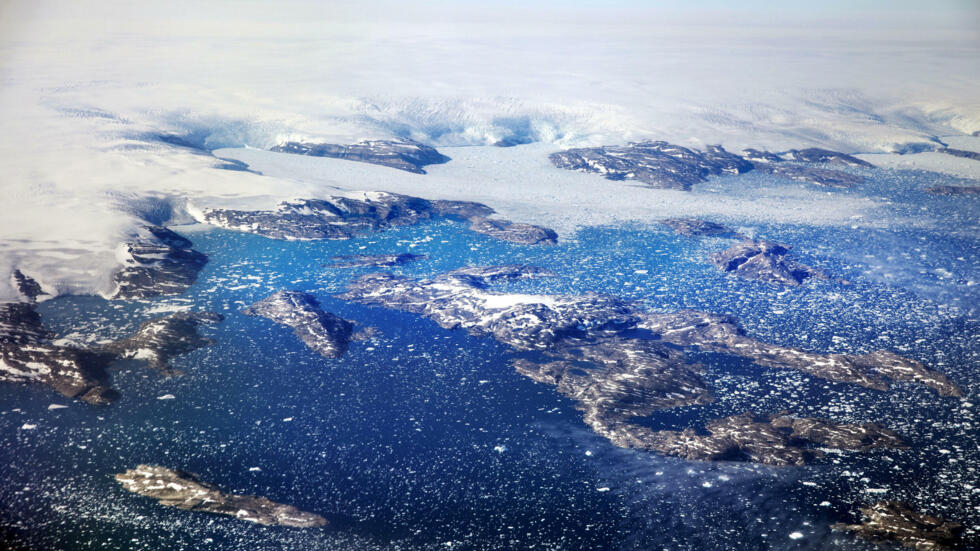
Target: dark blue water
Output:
[(423, 438)]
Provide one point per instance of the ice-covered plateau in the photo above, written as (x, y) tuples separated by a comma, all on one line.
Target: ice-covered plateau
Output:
[(187, 491), (619, 361), (343, 217), (663, 165)]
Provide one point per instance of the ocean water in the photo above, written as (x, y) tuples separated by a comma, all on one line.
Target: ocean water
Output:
[(423, 438)]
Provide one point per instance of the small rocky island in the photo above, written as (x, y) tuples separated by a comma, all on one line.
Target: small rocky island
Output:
[(482, 276), (621, 362), (325, 333), (374, 260), (818, 155), (357, 213), (405, 155), (896, 522), (159, 340), (186, 491), (954, 190), (662, 165), (158, 262), (764, 261), (695, 227)]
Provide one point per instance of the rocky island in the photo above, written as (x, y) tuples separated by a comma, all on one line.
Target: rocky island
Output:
[(325, 333), (159, 340), (374, 260), (777, 440), (28, 354), (764, 261), (407, 155), (694, 227), (620, 362), (157, 262), (896, 522), (187, 491), (481, 276), (720, 333), (346, 216)]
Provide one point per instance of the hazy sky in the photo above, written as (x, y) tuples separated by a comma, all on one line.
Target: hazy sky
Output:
[(18, 15)]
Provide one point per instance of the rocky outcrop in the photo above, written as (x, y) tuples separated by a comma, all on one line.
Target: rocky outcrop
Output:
[(771, 163), (818, 155), (159, 340), (27, 286), (778, 440), (694, 227), (409, 156), (962, 153), (818, 176), (197, 144), (374, 260), (656, 164), (954, 190), (157, 262), (620, 362), (357, 213), (764, 261), (481, 276), (760, 156), (28, 354), (666, 166), (187, 491), (325, 333), (896, 522)]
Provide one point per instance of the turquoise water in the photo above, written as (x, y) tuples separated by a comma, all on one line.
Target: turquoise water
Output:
[(422, 438)]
